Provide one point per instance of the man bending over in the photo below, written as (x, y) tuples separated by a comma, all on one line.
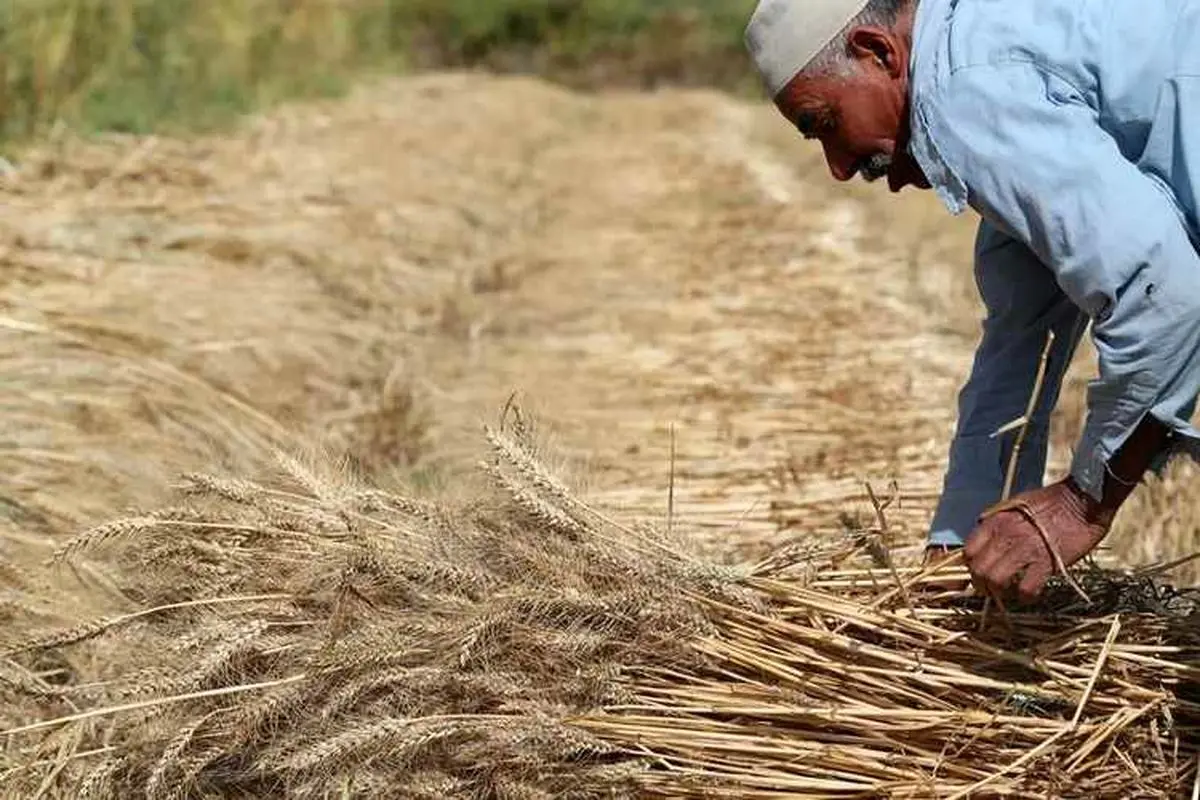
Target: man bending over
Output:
[(1073, 128)]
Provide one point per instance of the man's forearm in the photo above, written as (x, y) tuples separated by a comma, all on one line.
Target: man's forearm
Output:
[(1127, 467)]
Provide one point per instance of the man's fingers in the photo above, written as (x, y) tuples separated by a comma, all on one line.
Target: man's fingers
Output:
[(977, 542), (1000, 574), (984, 547), (977, 548), (998, 551), (987, 546), (1034, 581)]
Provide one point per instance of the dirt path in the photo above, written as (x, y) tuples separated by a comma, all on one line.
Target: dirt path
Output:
[(693, 267), (385, 271)]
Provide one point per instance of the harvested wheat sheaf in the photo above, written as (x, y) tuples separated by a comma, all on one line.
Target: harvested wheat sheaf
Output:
[(302, 636)]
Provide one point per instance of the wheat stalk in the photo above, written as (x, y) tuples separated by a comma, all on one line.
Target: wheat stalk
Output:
[(431, 643)]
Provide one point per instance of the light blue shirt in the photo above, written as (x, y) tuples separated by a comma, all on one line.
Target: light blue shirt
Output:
[(1073, 128)]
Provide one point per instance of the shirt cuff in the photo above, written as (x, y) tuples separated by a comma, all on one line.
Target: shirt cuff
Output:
[(1089, 467)]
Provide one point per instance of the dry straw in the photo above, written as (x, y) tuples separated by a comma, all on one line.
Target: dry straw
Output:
[(522, 644)]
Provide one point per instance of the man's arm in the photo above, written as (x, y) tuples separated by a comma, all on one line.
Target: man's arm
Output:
[(1034, 159), (1023, 302), (1125, 470), (1028, 538)]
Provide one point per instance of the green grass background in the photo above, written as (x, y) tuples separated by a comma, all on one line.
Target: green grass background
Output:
[(153, 65)]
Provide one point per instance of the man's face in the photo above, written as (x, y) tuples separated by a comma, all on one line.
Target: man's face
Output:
[(861, 117)]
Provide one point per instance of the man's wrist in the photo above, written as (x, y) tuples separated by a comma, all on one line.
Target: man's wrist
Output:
[(1100, 513), (1123, 472)]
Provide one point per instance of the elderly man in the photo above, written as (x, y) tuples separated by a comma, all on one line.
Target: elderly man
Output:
[(1073, 128)]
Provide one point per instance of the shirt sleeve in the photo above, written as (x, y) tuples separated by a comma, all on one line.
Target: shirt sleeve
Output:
[(1036, 163), (1023, 303)]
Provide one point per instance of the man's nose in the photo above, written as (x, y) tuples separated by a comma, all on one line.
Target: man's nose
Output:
[(841, 163)]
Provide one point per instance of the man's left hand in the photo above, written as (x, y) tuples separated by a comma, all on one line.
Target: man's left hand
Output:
[(1007, 547)]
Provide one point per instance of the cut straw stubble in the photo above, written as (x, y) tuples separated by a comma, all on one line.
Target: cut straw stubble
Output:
[(897, 690), (598, 659)]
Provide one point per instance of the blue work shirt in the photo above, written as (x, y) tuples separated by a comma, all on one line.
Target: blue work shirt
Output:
[(1073, 128)]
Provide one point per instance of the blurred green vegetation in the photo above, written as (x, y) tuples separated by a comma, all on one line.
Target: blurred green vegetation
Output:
[(147, 65)]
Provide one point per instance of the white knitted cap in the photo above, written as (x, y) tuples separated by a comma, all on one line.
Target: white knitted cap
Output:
[(783, 36)]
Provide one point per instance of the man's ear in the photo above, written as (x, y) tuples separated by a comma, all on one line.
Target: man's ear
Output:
[(879, 46)]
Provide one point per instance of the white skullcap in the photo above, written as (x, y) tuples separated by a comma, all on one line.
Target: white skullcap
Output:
[(783, 36)]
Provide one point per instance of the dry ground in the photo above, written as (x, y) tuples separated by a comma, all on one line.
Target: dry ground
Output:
[(386, 270), (382, 273)]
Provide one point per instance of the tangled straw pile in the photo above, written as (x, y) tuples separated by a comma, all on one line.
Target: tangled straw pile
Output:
[(307, 637)]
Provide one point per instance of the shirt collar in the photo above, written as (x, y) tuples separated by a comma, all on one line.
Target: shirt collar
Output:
[(925, 67), (928, 22)]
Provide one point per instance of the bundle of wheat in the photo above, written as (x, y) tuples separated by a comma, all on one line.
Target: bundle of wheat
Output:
[(302, 636), (832, 696)]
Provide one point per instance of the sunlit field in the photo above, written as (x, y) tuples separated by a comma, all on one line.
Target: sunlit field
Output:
[(450, 400)]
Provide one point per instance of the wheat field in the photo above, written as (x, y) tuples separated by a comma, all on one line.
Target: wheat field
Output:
[(471, 437)]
